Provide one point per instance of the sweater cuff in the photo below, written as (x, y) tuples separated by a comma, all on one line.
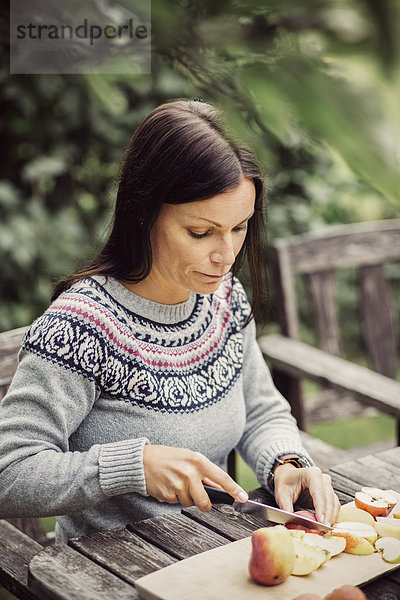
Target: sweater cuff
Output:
[(268, 456), (121, 467)]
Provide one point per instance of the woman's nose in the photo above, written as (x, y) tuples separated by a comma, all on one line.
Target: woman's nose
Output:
[(224, 254)]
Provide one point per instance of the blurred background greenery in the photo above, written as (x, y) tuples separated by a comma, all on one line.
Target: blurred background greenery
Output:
[(311, 85)]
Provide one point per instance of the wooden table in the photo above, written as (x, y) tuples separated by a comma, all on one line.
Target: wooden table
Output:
[(106, 564)]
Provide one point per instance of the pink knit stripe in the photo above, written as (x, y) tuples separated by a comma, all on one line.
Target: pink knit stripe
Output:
[(143, 349)]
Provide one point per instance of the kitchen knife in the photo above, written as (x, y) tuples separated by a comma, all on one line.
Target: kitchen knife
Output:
[(276, 515)]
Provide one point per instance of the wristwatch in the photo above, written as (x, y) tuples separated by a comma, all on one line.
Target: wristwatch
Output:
[(292, 459)]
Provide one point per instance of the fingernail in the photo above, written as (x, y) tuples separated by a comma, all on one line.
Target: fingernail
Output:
[(243, 497)]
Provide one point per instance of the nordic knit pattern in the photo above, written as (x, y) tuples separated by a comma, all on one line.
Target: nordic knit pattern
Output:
[(103, 372), (176, 367)]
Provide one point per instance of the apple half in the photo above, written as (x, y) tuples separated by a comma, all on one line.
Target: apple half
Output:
[(389, 547), (375, 501), (272, 555)]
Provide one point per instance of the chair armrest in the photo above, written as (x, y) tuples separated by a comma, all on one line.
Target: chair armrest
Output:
[(301, 360)]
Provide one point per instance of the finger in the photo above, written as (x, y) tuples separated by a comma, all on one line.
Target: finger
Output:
[(221, 480), (211, 483), (200, 496), (332, 501), (283, 498), (183, 495), (233, 489), (320, 491)]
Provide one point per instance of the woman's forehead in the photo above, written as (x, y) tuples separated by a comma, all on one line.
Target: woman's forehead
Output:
[(236, 204)]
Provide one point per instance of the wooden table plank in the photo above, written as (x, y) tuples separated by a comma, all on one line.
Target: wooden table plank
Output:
[(226, 521), (123, 553), (177, 535), (60, 573), (392, 455), (16, 550), (367, 471), (382, 589)]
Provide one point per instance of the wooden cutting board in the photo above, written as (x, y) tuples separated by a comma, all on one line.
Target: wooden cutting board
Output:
[(223, 573)]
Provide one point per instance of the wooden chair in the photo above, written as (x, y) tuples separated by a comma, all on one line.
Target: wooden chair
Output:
[(316, 258)]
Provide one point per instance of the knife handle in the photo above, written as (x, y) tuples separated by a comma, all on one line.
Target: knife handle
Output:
[(218, 496)]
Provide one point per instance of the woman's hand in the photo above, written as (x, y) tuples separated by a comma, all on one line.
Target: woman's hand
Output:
[(177, 475), (310, 488)]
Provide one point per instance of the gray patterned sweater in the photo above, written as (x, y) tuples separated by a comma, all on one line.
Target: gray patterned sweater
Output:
[(103, 372)]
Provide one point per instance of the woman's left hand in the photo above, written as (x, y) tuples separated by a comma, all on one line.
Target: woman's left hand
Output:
[(310, 488)]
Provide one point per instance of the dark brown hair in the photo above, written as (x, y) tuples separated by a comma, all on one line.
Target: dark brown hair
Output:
[(179, 153)]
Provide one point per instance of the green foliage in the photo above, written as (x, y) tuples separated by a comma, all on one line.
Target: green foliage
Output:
[(355, 431), (313, 88)]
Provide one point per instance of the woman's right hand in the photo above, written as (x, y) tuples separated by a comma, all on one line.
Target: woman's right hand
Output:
[(177, 475)]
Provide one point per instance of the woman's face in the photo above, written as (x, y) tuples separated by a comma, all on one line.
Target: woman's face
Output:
[(195, 244)]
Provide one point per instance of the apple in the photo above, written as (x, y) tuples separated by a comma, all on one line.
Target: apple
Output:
[(362, 530), (377, 502), (308, 558), (307, 515), (346, 592), (272, 556), (359, 536), (388, 520), (388, 529), (349, 512), (389, 548), (297, 533), (332, 544), (386, 495), (375, 506), (308, 596)]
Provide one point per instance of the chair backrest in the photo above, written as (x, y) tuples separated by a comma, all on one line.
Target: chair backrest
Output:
[(368, 247), (10, 342)]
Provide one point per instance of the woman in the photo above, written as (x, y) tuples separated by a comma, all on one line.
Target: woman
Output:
[(143, 374)]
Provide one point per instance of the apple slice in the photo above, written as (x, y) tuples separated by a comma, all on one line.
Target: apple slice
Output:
[(359, 537), (389, 548), (389, 521), (363, 530), (388, 529), (349, 512), (332, 544), (308, 558), (375, 506), (396, 515)]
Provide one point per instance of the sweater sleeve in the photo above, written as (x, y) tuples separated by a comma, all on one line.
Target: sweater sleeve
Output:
[(39, 475), (271, 429)]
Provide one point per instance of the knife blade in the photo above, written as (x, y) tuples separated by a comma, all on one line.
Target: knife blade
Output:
[(276, 515)]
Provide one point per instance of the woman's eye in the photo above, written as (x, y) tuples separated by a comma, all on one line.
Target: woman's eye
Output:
[(198, 236), (241, 228)]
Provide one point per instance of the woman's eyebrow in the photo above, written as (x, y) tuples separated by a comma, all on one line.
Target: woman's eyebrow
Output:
[(219, 224)]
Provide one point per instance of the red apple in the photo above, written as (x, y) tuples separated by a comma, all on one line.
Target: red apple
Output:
[(308, 596), (346, 592), (272, 555), (307, 515)]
